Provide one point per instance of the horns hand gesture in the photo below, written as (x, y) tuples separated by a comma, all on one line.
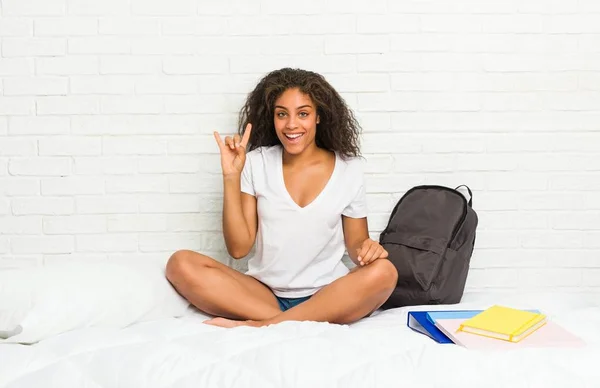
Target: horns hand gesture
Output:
[(233, 151)]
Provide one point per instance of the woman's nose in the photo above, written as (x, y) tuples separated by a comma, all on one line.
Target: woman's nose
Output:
[(291, 123)]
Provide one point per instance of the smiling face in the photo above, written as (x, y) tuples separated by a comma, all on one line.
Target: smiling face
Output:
[(295, 121)]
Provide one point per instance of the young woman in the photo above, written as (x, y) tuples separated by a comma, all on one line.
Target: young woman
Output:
[(293, 184)]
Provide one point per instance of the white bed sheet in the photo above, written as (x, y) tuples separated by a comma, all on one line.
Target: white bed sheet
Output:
[(379, 351)]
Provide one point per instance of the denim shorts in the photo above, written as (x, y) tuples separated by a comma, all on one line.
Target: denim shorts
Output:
[(288, 303)]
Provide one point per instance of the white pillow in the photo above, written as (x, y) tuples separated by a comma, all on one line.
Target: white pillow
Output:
[(37, 303)]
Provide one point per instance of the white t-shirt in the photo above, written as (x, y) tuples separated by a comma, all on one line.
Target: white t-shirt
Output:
[(299, 249)]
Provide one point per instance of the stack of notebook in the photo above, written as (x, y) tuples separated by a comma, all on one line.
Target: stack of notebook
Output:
[(495, 327)]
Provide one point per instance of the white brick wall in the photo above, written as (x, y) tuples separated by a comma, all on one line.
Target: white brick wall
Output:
[(107, 110)]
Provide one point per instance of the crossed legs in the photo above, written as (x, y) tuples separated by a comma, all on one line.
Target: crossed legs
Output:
[(239, 299)]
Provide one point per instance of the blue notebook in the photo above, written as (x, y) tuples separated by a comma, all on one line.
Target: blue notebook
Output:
[(432, 316), (418, 321)]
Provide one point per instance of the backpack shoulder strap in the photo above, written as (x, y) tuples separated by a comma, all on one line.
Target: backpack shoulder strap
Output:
[(470, 194)]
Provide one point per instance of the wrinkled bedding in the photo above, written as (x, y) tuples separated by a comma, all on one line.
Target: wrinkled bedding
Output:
[(379, 351)]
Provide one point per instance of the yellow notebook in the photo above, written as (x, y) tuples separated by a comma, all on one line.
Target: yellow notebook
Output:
[(504, 323)]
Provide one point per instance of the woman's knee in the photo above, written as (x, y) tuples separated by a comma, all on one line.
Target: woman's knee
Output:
[(184, 263), (382, 275)]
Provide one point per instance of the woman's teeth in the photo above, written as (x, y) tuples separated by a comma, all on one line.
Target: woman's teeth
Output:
[(293, 136)]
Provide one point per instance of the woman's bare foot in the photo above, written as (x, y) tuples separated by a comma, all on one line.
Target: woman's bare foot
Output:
[(228, 323)]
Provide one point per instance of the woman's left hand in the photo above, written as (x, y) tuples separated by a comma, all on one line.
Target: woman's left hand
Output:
[(370, 251)]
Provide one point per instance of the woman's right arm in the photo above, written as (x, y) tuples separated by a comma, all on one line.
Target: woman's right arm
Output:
[(240, 220)]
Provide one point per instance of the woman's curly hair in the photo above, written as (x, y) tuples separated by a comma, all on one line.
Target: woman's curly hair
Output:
[(338, 129)]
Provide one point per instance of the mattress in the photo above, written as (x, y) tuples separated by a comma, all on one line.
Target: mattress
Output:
[(378, 351)]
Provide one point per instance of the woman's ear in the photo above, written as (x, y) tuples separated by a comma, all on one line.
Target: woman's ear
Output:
[(318, 119)]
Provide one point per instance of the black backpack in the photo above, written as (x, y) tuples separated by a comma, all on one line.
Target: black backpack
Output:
[(430, 238)]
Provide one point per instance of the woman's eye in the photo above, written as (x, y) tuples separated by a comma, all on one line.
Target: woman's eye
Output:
[(303, 114), (280, 114)]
